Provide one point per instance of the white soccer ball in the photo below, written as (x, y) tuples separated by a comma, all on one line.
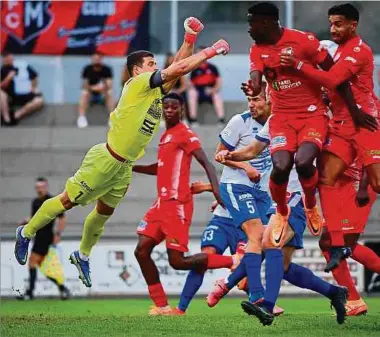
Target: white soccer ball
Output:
[(331, 46)]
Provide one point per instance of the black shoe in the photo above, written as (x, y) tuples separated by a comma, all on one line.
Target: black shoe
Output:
[(65, 294), (265, 317), (338, 302), (27, 296), (337, 254)]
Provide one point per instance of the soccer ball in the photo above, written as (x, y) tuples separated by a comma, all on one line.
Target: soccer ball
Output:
[(330, 46)]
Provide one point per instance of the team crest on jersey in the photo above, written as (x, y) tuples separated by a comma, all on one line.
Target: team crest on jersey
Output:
[(25, 20), (168, 138), (287, 51), (155, 109), (357, 49)]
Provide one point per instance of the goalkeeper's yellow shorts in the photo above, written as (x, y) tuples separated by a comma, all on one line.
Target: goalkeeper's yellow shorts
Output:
[(100, 177)]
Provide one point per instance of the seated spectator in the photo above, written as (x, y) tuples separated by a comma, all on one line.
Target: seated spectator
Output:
[(181, 85), (96, 88), (205, 86), (19, 89)]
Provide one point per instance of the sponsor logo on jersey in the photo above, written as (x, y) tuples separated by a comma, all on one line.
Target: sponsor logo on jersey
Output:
[(278, 141), (155, 109), (287, 51), (245, 196), (285, 84), (147, 127), (312, 108), (351, 59)]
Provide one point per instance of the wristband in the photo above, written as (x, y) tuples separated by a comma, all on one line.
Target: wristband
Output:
[(190, 38), (210, 52)]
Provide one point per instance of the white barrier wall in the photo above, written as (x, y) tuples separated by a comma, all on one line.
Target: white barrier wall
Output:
[(114, 270)]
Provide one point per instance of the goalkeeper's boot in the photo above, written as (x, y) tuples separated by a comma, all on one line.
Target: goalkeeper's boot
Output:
[(337, 254), (259, 310), (220, 290), (356, 308), (21, 246), (83, 268), (338, 301), (64, 293)]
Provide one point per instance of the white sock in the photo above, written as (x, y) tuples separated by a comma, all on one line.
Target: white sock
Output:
[(83, 257)]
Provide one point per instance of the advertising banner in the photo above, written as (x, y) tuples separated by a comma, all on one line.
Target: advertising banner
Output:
[(74, 27)]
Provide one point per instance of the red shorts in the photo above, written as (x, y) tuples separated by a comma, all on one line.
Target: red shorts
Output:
[(348, 143), (288, 132), (170, 220), (353, 218)]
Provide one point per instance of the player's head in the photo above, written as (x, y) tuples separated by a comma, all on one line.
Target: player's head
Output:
[(97, 58), (258, 105), (172, 105), (140, 62), (263, 20), (7, 58), (41, 186), (344, 19)]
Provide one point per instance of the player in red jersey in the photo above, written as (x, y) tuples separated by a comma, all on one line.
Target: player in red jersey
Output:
[(170, 216), (355, 200), (299, 123), (354, 63)]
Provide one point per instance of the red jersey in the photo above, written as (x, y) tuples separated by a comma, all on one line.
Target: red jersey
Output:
[(354, 61), (174, 162), (291, 92)]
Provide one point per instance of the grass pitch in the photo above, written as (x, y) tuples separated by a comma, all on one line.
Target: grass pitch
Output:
[(304, 317)]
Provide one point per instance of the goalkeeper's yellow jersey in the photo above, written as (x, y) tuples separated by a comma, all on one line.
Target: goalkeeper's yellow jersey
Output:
[(136, 117)]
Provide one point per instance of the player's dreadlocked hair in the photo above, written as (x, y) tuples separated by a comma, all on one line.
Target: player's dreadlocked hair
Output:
[(173, 95), (349, 11), (264, 9), (136, 59)]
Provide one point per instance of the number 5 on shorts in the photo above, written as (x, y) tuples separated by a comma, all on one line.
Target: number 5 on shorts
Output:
[(250, 207), (78, 196)]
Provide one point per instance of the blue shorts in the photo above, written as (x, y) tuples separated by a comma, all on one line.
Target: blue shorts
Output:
[(297, 219), (245, 203), (221, 234)]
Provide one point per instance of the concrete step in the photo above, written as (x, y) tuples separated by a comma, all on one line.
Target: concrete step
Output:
[(22, 187), (47, 162), (72, 138), (66, 114)]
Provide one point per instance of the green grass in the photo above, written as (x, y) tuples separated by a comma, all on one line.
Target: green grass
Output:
[(304, 317)]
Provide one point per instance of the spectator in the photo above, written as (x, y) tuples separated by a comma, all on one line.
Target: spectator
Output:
[(205, 86), (19, 82), (97, 87), (181, 85)]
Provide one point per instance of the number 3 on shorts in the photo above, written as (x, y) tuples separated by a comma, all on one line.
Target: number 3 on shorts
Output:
[(78, 196), (250, 207)]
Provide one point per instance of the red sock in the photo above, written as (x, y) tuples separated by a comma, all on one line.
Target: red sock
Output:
[(309, 187), (157, 294), (331, 212), (367, 257), (343, 277), (278, 193), (216, 261)]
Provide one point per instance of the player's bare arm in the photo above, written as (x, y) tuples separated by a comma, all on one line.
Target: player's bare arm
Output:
[(199, 187), (202, 159), (251, 172), (178, 69), (146, 169), (61, 224)]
